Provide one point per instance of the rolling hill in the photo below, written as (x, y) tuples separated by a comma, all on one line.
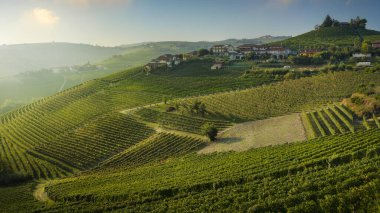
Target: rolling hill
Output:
[(18, 88), (329, 36), (113, 143), (87, 141)]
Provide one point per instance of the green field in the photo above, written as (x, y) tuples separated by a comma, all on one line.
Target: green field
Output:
[(109, 144)]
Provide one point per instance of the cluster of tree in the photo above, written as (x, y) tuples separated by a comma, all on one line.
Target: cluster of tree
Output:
[(357, 22), (365, 101), (196, 107)]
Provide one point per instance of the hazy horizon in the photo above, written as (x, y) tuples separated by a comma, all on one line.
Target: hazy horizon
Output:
[(123, 22)]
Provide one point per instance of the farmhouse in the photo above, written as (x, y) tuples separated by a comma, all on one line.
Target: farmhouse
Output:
[(190, 55), (278, 52), (222, 50), (153, 65), (167, 60), (361, 55), (252, 48), (376, 44), (217, 66), (363, 64)]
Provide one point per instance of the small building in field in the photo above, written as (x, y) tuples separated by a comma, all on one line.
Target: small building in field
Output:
[(153, 65), (363, 64), (376, 44), (217, 66), (361, 55)]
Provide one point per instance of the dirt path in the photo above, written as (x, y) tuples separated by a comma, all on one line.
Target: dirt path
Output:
[(40, 194), (254, 134)]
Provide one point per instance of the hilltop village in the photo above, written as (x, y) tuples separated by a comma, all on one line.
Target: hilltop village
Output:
[(223, 53)]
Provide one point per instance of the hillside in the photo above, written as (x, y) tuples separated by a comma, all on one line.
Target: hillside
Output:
[(329, 36), (19, 58), (117, 128), (17, 88), (78, 113), (336, 173)]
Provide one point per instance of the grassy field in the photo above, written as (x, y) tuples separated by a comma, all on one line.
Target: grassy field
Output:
[(254, 134)]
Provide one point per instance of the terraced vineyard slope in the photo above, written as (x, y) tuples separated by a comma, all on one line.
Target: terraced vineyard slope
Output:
[(285, 97), (324, 174), (333, 119)]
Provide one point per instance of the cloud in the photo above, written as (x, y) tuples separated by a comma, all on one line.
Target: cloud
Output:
[(44, 16)]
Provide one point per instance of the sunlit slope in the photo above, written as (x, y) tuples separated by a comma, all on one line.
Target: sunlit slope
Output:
[(37, 138), (330, 36), (288, 96), (324, 174)]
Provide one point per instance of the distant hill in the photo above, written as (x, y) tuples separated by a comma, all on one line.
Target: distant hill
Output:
[(330, 36), (25, 57), (19, 58), (261, 40), (18, 87)]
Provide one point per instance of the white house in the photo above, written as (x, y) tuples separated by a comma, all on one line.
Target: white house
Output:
[(363, 64), (361, 55), (217, 66), (222, 50)]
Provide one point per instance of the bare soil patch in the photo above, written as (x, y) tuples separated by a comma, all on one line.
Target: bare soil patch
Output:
[(254, 134)]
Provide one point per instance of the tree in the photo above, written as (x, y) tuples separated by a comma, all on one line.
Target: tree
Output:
[(209, 130), (365, 47), (203, 52), (327, 22)]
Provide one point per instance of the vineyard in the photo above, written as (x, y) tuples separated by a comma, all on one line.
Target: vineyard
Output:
[(334, 119), (155, 149), (76, 129), (285, 97), (179, 122), (86, 146), (324, 174), (91, 156)]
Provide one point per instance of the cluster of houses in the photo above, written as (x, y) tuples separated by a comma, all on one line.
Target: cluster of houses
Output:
[(239, 53), (169, 60)]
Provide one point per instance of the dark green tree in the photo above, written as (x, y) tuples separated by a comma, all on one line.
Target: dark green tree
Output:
[(209, 130), (327, 22), (203, 52)]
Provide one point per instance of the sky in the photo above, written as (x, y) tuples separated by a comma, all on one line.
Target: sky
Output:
[(116, 22)]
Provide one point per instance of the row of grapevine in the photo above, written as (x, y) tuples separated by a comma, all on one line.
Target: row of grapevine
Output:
[(329, 121), (179, 122), (286, 97), (323, 174), (155, 149), (104, 137), (333, 119)]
